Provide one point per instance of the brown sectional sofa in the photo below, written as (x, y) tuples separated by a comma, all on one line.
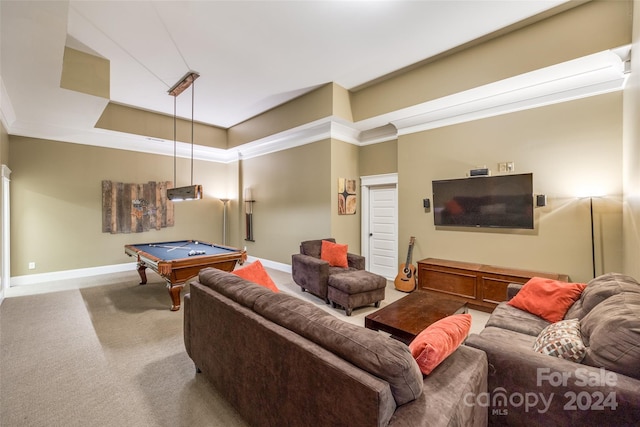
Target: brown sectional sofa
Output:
[(281, 361), (529, 388)]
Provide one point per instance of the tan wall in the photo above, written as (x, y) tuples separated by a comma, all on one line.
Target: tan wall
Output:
[(85, 73), (570, 148), (56, 203), (292, 193), (631, 236), (56, 199), (4, 145), (344, 164), (4, 160), (122, 118), (314, 105), (590, 28), (377, 159)]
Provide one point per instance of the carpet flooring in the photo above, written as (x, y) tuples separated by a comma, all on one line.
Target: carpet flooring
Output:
[(109, 352)]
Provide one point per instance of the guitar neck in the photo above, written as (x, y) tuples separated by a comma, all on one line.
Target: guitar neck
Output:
[(411, 242), (409, 255)]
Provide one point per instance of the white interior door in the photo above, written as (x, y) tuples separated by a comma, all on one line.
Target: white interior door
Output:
[(383, 230)]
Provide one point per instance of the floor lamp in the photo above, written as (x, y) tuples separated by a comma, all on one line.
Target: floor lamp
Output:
[(224, 220), (593, 242)]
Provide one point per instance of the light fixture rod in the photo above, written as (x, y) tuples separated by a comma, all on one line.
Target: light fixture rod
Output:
[(193, 192), (193, 93), (174, 141)]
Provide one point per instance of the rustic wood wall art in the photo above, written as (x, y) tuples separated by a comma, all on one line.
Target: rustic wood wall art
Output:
[(135, 208), (346, 196)]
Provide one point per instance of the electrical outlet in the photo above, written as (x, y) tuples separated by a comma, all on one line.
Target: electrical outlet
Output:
[(502, 167), (32, 265), (510, 167)]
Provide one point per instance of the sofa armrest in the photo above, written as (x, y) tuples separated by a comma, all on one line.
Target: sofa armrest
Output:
[(530, 388), (186, 306), (310, 273), (513, 289), (355, 261)]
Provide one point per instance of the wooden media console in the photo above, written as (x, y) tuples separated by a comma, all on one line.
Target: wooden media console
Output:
[(481, 286)]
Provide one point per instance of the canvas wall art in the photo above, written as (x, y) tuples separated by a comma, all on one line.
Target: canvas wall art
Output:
[(346, 196)]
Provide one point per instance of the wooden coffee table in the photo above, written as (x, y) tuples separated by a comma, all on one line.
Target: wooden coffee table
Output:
[(407, 317)]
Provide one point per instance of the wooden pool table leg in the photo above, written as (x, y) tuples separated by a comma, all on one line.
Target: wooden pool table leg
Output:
[(142, 273), (174, 293)]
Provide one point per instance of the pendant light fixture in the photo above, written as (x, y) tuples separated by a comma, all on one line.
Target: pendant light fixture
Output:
[(192, 192)]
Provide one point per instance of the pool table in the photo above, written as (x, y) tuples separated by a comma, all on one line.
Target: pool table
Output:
[(179, 261)]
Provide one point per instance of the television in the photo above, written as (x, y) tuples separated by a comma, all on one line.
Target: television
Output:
[(504, 201)]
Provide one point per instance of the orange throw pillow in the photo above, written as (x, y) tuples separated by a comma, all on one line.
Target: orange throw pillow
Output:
[(256, 273), (334, 254), (434, 344), (547, 298)]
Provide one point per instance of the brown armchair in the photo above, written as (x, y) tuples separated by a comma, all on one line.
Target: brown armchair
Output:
[(312, 273)]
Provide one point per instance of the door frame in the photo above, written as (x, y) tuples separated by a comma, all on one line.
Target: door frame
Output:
[(5, 227), (366, 182)]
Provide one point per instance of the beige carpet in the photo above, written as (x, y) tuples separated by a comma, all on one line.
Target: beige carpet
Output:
[(111, 353)]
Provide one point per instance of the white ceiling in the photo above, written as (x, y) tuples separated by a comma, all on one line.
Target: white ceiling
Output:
[(251, 55), (255, 55)]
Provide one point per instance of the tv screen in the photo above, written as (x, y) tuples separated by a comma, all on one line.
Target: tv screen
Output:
[(504, 201)]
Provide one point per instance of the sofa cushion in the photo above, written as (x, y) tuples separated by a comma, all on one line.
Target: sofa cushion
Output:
[(507, 317), (335, 254), (598, 290), (562, 339), (255, 273), (439, 340), (547, 298), (611, 332), (232, 286), (371, 351)]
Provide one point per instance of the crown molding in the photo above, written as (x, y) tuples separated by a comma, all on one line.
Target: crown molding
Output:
[(587, 76), (7, 114)]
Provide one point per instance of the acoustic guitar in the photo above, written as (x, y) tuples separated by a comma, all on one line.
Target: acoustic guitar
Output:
[(406, 278)]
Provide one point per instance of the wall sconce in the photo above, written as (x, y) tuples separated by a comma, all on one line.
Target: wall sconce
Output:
[(192, 192), (248, 209), (224, 220)]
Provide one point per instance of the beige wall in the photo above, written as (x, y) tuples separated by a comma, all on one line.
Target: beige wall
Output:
[(344, 164), (122, 118), (377, 159), (56, 200), (56, 203), (314, 105), (4, 145), (4, 159), (631, 236), (293, 191), (570, 148), (586, 29)]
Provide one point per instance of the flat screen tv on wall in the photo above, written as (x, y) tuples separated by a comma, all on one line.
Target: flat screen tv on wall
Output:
[(504, 201)]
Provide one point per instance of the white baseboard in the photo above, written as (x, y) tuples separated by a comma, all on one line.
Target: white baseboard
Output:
[(272, 264), (33, 279)]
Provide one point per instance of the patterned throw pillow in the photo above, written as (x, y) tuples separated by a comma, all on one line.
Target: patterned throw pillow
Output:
[(562, 339)]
